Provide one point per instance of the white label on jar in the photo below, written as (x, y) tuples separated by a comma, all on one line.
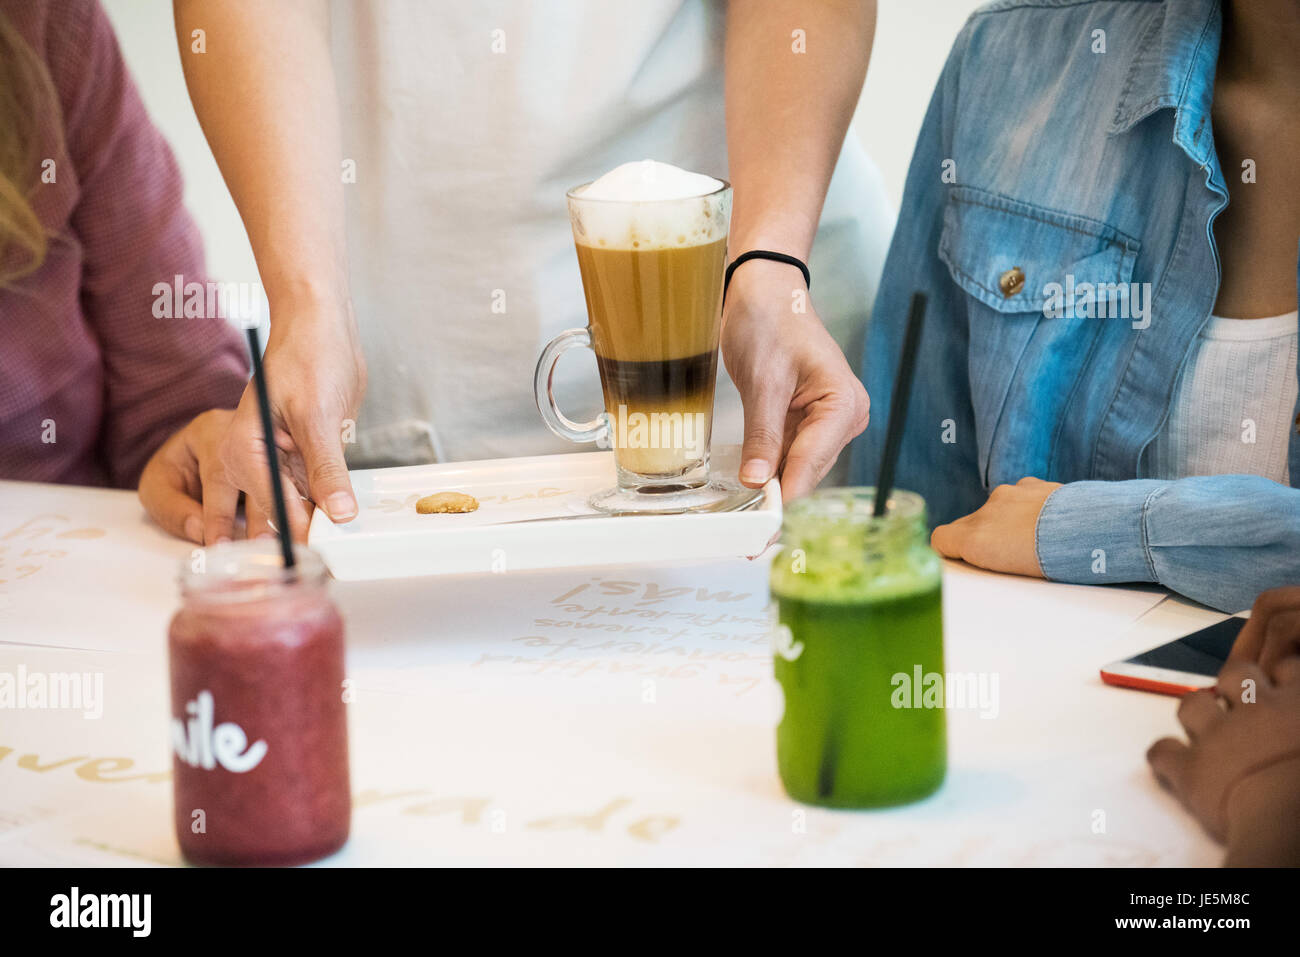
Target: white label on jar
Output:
[(203, 746), (783, 643)]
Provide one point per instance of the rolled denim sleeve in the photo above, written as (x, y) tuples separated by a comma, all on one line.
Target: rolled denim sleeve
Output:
[(1219, 540)]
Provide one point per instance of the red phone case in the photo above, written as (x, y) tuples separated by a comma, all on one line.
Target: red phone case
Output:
[(1150, 684)]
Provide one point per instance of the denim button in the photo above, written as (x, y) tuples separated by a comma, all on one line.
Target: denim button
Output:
[(1011, 281)]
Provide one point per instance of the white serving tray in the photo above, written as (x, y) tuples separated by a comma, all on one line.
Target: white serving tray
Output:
[(388, 539)]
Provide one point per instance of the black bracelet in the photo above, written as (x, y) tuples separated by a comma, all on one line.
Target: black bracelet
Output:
[(765, 254)]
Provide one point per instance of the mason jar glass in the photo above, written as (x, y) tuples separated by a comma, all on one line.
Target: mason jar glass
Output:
[(858, 651), (259, 723)]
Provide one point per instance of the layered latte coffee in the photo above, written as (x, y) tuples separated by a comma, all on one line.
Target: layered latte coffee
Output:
[(651, 242)]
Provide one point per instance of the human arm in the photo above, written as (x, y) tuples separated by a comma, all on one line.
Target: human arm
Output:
[(184, 481), (263, 90), (1273, 630), (1219, 540), (793, 75), (161, 367), (1238, 773)]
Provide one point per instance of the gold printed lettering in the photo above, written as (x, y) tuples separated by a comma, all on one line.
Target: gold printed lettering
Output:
[(30, 762), (592, 822), (92, 771), (366, 798), (471, 809), (653, 827)]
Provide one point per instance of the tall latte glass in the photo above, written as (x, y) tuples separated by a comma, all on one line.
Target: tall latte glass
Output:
[(652, 275)]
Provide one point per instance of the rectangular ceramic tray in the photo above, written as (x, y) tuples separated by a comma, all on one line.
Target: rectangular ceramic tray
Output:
[(389, 539)]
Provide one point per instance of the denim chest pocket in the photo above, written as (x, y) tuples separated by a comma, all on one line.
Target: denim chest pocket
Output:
[(1042, 285)]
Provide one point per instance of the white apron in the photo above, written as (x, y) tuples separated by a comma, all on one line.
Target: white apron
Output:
[(467, 122)]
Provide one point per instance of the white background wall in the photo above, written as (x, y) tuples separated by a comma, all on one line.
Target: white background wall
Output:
[(912, 41)]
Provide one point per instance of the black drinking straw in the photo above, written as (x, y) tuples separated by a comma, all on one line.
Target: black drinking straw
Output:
[(884, 485), (898, 405), (272, 459)]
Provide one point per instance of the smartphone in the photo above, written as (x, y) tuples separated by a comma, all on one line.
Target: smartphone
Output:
[(1188, 664)]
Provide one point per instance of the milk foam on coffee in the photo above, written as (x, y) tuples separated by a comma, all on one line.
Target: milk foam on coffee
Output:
[(650, 180), (651, 205)]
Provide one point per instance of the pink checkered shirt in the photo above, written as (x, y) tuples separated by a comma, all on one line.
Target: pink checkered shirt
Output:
[(83, 360)]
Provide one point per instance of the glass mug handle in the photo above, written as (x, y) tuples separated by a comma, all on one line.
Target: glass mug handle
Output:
[(543, 380)]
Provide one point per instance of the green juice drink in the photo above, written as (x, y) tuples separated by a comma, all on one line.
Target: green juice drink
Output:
[(858, 639)]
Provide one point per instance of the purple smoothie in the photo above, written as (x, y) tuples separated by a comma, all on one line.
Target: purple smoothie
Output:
[(259, 725)]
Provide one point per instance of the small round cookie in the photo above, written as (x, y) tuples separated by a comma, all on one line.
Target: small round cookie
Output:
[(446, 502)]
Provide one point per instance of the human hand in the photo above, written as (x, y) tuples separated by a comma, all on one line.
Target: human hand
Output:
[(1239, 773), (1272, 632), (184, 487), (316, 378), (802, 402), (1000, 535)]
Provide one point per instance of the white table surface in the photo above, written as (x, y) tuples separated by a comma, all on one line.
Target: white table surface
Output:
[(589, 716)]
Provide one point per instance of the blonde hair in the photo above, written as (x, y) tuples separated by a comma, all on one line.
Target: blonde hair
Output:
[(26, 97)]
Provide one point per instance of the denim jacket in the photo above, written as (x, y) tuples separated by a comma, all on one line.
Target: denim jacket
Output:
[(1058, 214)]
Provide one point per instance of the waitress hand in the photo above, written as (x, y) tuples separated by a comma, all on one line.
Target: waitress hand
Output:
[(316, 377), (802, 402)]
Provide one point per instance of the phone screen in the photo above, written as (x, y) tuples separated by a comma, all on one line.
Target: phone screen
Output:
[(1200, 653)]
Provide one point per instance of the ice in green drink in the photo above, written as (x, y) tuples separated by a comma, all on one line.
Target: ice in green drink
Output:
[(859, 636)]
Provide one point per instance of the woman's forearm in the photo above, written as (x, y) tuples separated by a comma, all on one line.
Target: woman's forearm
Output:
[(262, 83), (1219, 539), (794, 71)]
